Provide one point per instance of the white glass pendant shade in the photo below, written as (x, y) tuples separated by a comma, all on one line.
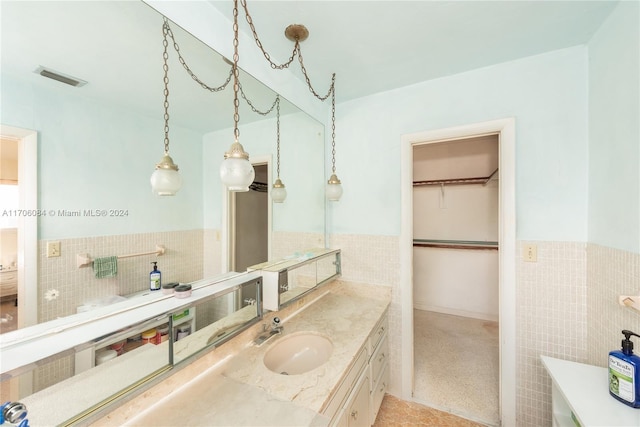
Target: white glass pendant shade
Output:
[(236, 174), (165, 180), (278, 192), (334, 188), (236, 171)]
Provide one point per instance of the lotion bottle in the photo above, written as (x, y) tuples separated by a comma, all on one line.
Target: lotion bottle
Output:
[(624, 372), (155, 278)]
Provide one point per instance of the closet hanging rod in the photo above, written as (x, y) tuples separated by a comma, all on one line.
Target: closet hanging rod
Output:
[(455, 244), (457, 181)]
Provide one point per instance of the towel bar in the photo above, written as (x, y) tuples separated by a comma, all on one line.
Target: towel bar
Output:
[(84, 260)]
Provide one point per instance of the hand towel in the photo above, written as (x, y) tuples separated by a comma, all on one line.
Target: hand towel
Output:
[(105, 267)]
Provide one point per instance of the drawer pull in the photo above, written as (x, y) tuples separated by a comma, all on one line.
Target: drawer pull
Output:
[(354, 415), (381, 358), (383, 387)]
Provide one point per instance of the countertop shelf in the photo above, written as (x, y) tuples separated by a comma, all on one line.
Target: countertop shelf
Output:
[(582, 390)]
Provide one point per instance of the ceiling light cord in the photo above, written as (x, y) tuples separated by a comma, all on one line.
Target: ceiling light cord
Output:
[(296, 48), (165, 67), (176, 47)]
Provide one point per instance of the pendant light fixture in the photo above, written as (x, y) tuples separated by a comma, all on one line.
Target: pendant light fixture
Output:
[(236, 172), (334, 186), (299, 33), (165, 180), (278, 192)]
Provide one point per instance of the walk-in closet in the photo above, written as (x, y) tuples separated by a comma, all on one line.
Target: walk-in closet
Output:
[(456, 276)]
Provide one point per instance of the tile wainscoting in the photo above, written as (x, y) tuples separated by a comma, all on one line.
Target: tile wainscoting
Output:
[(566, 301), (566, 307), (75, 286)]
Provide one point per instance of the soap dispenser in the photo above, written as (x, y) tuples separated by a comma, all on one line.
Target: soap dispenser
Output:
[(624, 374), (155, 278)]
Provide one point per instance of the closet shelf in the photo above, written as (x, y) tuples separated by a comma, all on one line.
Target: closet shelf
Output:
[(457, 181), (455, 244)]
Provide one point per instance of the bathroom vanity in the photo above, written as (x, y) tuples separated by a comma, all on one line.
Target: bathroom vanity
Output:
[(238, 389), (580, 396), (220, 370)]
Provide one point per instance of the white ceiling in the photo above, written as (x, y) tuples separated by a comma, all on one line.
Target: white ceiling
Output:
[(373, 46)]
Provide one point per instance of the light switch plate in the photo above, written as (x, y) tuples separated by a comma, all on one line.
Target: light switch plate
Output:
[(53, 249), (530, 253)]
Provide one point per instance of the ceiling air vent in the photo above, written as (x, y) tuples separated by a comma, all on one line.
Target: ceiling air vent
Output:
[(63, 78)]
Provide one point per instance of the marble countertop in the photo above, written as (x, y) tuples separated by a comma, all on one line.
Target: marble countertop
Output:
[(240, 390)]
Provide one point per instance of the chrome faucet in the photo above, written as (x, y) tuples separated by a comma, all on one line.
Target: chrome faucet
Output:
[(276, 329)]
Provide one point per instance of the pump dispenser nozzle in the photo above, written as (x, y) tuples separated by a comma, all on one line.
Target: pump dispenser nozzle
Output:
[(627, 344)]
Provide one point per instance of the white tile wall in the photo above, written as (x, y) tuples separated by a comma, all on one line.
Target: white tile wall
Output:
[(551, 313), (182, 262), (566, 301), (611, 273)]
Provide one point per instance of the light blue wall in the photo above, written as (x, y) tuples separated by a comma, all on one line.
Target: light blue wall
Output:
[(614, 130), (547, 96), (96, 157)]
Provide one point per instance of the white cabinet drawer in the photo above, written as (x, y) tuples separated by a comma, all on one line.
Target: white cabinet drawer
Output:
[(377, 393), (345, 387), (379, 358), (358, 411), (378, 333)]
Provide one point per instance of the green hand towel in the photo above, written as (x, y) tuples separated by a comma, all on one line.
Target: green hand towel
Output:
[(105, 267)]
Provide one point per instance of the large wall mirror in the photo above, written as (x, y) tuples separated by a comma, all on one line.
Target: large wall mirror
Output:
[(97, 145)]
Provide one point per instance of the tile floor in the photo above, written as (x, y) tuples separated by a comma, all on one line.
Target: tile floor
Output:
[(457, 365), (399, 413)]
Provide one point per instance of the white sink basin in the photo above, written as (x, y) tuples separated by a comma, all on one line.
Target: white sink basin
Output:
[(298, 353)]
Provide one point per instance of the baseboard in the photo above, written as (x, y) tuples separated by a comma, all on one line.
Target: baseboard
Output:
[(455, 312)]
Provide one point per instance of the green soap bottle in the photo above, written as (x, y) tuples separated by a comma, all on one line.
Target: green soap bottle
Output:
[(155, 278), (624, 372)]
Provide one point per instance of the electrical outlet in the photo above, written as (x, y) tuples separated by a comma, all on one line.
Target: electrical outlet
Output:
[(53, 249), (530, 253)]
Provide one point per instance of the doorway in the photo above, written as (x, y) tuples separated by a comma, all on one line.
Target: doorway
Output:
[(505, 129), (26, 226), (455, 276), (249, 224)]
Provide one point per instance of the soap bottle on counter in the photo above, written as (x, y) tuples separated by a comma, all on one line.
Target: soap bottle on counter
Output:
[(624, 372), (155, 278)]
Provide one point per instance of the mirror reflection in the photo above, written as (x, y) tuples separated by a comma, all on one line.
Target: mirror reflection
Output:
[(98, 144), (92, 148)]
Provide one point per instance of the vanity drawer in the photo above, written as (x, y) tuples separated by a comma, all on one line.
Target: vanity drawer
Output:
[(342, 391), (377, 393), (379, 359), (378, 333)]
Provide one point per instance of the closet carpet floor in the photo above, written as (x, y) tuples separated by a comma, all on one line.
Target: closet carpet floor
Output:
[(457, 365)]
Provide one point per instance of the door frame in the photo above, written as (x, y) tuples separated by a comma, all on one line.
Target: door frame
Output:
[(228, 216), (505, 128), (27, 225)]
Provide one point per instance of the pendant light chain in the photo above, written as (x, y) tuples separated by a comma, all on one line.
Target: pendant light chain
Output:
[(278, 133), (165, 67), (259, 43), (176, 47), (253, 108), (333, 127), (236, 102)]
